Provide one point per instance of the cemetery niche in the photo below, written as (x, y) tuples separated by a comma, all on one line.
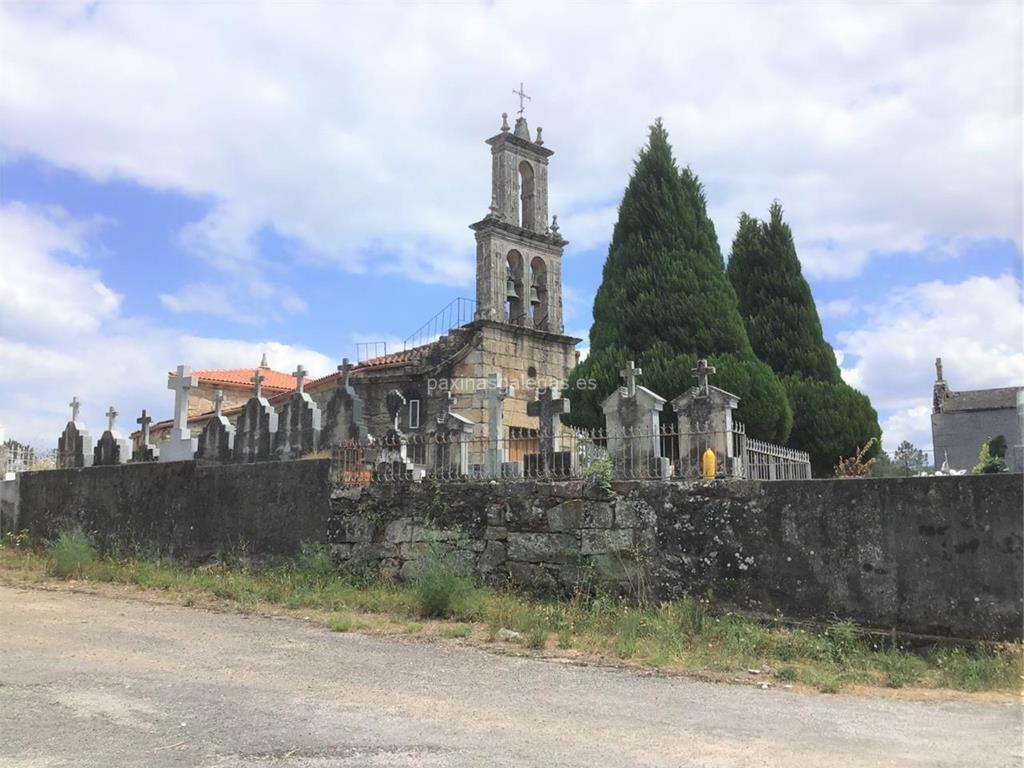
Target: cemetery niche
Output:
[(298, 431), (74, 446), (112, 447), (217, 440), (255, 427)]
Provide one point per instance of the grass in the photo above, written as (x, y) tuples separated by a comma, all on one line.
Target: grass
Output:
[(688, 635)]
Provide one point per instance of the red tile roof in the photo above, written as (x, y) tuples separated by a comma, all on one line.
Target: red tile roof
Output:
[(396, 358), (274, 381)]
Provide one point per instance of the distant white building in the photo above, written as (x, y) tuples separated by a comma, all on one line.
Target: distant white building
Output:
[(963, 420)]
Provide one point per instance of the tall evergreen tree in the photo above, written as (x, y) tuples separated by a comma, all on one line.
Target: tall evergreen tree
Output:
[(665, 301), (830, 418)]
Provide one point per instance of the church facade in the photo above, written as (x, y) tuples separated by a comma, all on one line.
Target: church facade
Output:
[(516, 339)]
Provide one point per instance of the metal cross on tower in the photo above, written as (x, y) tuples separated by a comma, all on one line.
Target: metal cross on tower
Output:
[(521, 93)]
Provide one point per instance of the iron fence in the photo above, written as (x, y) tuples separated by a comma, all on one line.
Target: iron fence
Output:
[(520, 453)]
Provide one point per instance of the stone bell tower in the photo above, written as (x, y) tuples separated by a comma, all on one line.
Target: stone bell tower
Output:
[(518, 253)]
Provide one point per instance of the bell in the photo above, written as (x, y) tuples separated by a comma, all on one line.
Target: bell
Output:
[(510, 289), (534, 296)]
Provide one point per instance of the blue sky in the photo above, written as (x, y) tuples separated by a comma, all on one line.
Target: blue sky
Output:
[(199, 184)]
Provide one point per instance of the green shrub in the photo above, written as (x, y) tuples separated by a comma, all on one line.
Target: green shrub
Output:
[(315, 561), (341, 623), (536, 637), (842, 641), (456, 630), (70, 554), (599, 473), (442, 587)]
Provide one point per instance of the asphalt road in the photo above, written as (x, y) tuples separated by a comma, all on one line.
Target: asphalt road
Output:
[(97, 682)]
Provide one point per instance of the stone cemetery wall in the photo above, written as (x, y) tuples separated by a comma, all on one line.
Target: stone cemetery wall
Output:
[(183, 509), (939, 555)]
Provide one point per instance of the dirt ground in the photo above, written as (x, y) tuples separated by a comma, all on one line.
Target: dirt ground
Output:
[(89, 680)]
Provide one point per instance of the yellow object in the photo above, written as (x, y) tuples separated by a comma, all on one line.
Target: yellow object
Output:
[(708, 464)]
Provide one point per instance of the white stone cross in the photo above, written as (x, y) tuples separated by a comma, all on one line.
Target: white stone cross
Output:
[(702, 371), (300, 376), (75, 405), (180, 446), (111, 417), (629, 373), (496, 393), (257, 379), (181, 383), (218, 402), (521, 93)]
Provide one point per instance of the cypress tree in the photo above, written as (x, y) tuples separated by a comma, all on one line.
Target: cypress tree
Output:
[(665, 301), (830, 418)]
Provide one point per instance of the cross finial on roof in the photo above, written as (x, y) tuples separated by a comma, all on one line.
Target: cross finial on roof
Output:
[(521, 93), (629, 374), (257, 379), (263, 361), (218, 402), (702, 371), (111, 417), (938, 369), (75, 405), (300, 376)]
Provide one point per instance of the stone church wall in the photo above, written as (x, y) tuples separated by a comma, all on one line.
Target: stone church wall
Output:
[(960, 434), (937, 555)]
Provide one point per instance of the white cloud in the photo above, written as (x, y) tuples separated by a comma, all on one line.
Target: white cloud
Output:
[(976, 326), (836, 308), (356, 130), (64, 335)]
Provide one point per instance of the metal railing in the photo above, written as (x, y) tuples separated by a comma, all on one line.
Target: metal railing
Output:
[(519, 453), (455, 314)]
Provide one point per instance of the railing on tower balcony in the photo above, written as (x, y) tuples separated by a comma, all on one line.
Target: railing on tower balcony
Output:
[(456, 313)]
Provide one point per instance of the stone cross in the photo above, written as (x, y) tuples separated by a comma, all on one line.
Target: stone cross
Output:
[(702, 372), (75, 405), (629, 373), (218, 402), (257, 380), (181, 384), (446, 406), (345, 369), (496, 393), (144, 421), (521, 93), (547, 409), (394, 402), (111, 417), (300, 376)]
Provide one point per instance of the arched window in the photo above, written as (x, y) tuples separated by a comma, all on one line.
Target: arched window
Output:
[(538, 293), (526, 192), (515, 301)]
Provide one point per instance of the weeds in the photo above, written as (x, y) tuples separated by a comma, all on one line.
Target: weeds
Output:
[(71, 554), (315, 561), (442, 586)]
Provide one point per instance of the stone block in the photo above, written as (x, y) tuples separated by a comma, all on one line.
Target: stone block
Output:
[(595, 541), (571, 489), (492, 558), (530, 575), (632, 513), (496, 514), (542, 547), (340, 552), (413, 550), (567, 516), (399, 530), (496, 533), (598, 514), (355, 530), (421, 532)]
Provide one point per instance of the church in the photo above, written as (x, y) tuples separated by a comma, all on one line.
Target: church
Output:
[(516, 339)]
